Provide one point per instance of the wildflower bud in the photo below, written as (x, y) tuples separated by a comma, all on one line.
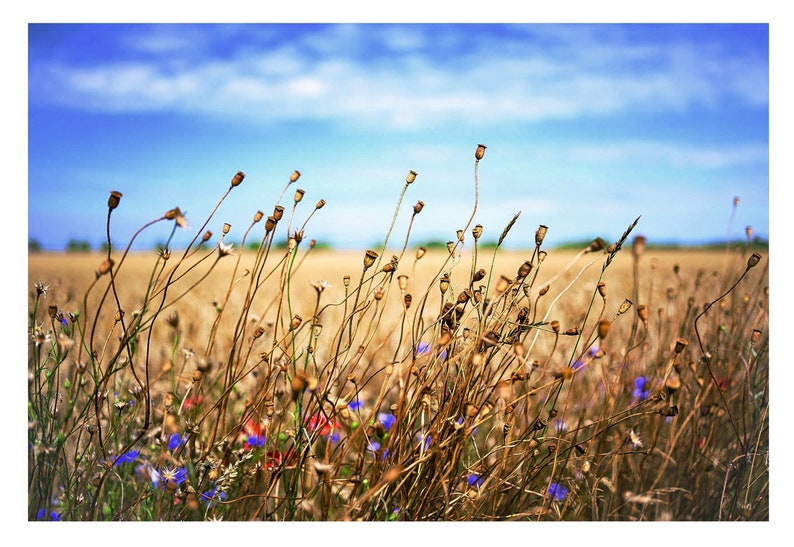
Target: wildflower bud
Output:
[(298, 385), (624, 307), (638, 246), (480, 152), (753, 260), (573, 331), (298, 195), (478, 275), (411, 177), (602, 289), (477, 232), (206, 237), (503, 283), (443, 283), (295, 322), (278, 212), (270, 223), (238, 178), (543, 290), (524, 269), (320, 204), (113, 200), (603, 328), (105, 267), (258, 332), (369, 259), (418, 207), (555, 326), (379, 293), (298, 236), (680, 345), (226, 228), (294, 176), (52, 311), (540, 234), (402, 281)]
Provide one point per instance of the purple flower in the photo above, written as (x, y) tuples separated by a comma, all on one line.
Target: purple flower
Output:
[(640, 388), (557, 491), (355, 405), (174, 442), (386, 419), (255, 441), (423, 348), (127, 457), (214, 494), (42, 515), (474, 480)]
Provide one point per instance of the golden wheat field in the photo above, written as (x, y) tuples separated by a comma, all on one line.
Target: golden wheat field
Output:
[(610, 383)]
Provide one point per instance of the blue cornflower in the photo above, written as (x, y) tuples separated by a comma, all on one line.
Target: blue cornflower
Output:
[(42, 515), (174, 441), (580, 363), (474, 480), (355, 405), (640, 388), (386, 419), (423, 348), (211, 495), (557, 491), (127, 457), (255, 441), (177, 475)]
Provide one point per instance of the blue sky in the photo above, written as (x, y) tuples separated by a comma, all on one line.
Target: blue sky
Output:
[(587, 127)]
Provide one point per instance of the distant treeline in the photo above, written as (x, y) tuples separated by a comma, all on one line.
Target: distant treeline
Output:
[(82, 246)]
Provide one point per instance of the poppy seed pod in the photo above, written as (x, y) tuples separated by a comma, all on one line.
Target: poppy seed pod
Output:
[(270, 223), (320, 204), (638, 246), (477, 231), (478, 275), (258, 216), (753, 260), (480, 152), (443, 283), (503, 283), (226, 227), (402, 281), (294, 176), (298, 195), (238, 178), (278, 212), (540, 234), (420, 252), (411, 177), (369, 258), (603, 328), (113, 200), (418, 207), (524, 269), (680, 345), (602, 289)]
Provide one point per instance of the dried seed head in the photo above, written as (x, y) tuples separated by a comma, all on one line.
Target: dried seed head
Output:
[(680, 345), (295, 322), (573, 331), (346, 280), (294, 176), (524, 269), (278, 212), (756, 337), (238, 178), (540, 235), (407, 299), (478, 275), (503, 283), (542, 256), (642, 313), (270, 223), (298, 195), (555, 326), (420, 252), (638, 246), (480, 152), (603, 328), (206, 237), (379, 293), (411, 177), (369, 258), (443, 283), (602, 289), (477, 231), (226, 228), (113, 200), (105, 267), (418, 207), (596, 245), (320, 204), (450, 246), (625, 306), (299, 384), (753, 260), (748, 231), (402, 281)]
